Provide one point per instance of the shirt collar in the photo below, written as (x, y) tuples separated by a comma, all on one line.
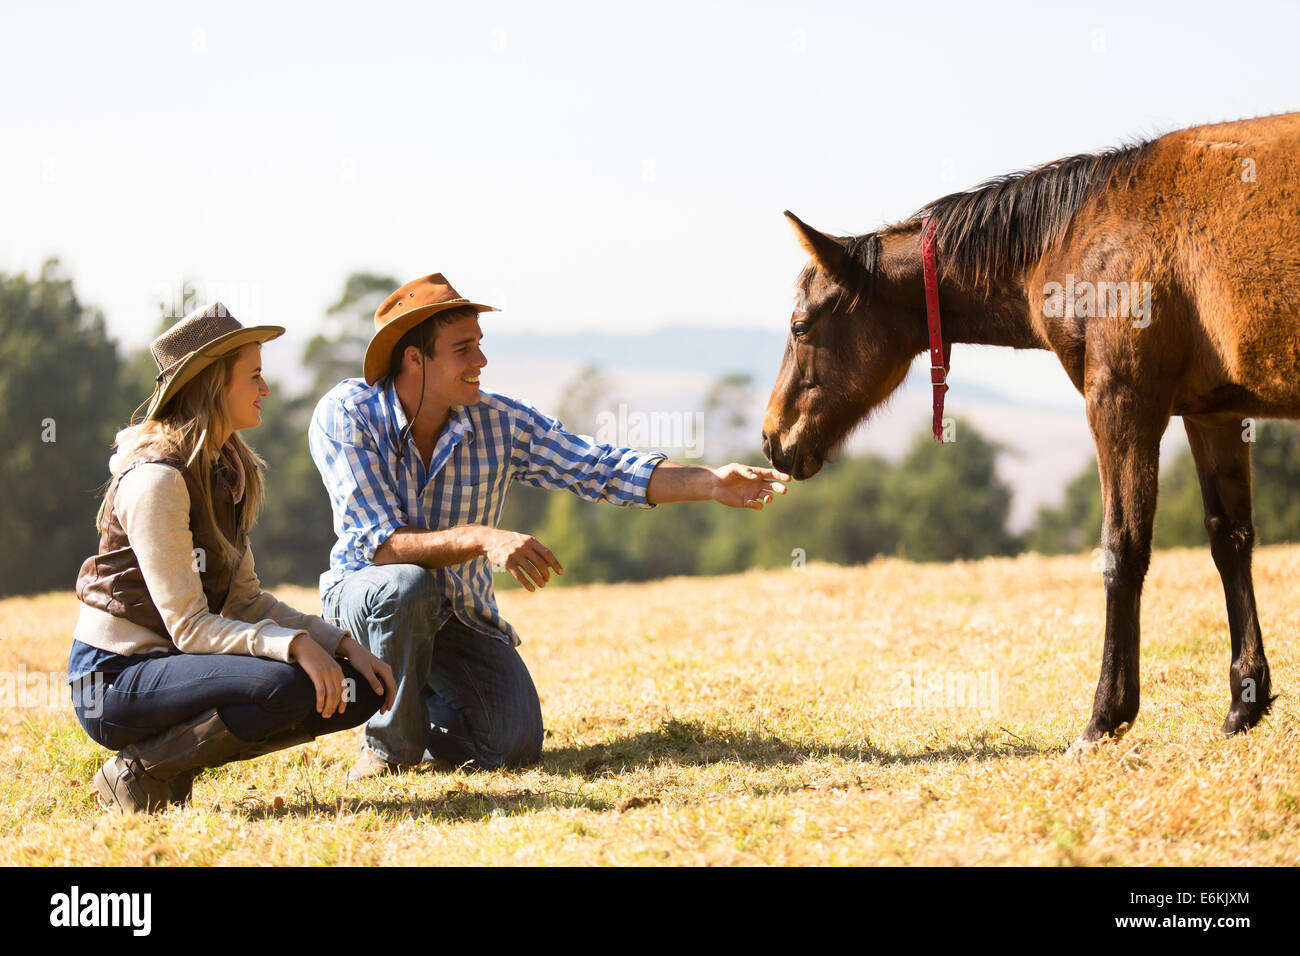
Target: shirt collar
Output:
[(459, 423)]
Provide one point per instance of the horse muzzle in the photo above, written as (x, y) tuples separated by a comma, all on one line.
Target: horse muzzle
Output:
[(790, 459)]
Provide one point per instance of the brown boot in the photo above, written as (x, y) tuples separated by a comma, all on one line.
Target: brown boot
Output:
[(154, 773), (137, 779), (281, 741), (180, 787)]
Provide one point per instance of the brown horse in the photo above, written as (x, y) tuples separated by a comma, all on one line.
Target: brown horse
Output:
[(1166, 278)]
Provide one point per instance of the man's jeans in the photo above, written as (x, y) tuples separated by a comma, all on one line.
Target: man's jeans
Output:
[(462, 696)]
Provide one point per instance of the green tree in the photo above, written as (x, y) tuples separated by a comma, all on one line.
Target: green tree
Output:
[(59, 388), (1180, 512), (137, 377), (563, 522), (948, 500), (567, 530), (730, 410), (337, 351), (582, 399), (1276, 458), (296, 532), (1075, 525)]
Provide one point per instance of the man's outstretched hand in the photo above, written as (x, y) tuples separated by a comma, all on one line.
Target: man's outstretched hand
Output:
[(734, 485), (744, 486)]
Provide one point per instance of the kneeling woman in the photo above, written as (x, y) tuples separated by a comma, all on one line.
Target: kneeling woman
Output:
[(179, 660)]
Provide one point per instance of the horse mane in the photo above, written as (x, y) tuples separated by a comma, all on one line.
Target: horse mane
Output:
[(1010, 222), (865, 251)]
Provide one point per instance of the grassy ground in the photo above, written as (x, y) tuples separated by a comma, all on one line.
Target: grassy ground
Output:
[(892, 713)]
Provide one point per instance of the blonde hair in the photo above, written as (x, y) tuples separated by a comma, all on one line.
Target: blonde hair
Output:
[(187, 428)]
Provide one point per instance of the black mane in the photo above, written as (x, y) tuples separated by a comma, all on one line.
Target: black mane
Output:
[(1011, 221)]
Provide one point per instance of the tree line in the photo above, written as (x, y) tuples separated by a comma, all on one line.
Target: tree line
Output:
[(66, 388)]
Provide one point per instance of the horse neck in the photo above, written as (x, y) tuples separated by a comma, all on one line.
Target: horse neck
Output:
[(994, 311)]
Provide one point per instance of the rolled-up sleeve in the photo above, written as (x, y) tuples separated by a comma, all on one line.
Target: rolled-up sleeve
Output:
[(546, 456), (365, 505)]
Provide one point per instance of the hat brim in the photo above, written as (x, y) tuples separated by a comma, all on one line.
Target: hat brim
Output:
[(205, 355), (379, 352)]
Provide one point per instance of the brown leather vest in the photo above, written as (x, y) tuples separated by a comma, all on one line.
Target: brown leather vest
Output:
[(111, 580)]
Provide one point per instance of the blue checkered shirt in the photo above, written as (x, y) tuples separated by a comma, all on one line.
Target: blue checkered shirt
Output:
[(354, 441)]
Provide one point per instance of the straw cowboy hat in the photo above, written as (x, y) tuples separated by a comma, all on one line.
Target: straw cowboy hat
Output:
[(403, 310), (194, 343)]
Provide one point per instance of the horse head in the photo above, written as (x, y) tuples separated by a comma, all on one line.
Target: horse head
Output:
[(846, 353)]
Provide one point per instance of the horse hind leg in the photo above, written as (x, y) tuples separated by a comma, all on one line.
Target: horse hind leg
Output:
[(1223, 466)]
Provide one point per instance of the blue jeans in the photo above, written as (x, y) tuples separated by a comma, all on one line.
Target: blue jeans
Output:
[(254, 696), (462, 696)]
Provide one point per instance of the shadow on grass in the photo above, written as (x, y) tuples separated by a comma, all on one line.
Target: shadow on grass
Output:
[(674, 742), (453, 806), (693, 743)]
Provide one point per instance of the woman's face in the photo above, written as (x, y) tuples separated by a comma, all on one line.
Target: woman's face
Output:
[(246, 388)]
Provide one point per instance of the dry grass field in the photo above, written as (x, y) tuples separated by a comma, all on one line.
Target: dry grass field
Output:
[(887, 714)]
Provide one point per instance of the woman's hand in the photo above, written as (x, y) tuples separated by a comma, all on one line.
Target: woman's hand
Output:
[(377, 673), (324, 672)]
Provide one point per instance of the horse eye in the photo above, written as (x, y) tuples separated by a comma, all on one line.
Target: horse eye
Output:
[(800, 329)]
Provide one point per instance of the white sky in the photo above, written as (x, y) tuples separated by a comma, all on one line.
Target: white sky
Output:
[(583, 165)]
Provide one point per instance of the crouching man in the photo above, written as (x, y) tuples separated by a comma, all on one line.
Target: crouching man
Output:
[(417, 458)]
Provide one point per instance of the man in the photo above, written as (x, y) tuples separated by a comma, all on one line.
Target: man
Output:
[(417, 458)]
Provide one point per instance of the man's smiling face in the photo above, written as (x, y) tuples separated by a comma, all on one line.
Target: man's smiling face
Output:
[(452, 375)]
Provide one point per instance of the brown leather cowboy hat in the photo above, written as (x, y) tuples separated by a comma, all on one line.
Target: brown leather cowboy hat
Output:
[(194, 343), (403, 310)]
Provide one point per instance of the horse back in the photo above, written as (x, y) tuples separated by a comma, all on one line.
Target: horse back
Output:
[(1210, 221)]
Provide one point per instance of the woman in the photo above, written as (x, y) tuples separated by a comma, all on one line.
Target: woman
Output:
[(179, 660)]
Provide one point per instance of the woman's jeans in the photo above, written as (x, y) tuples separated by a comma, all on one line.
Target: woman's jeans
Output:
[(256, 698), (462, 696)]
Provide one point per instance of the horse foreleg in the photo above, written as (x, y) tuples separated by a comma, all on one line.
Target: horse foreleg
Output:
[(1223, 465), (1126, 426)]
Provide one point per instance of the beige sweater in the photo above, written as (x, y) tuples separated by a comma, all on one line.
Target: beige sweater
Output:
[(154, 507)]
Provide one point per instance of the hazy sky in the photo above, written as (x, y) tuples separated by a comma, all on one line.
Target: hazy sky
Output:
[(582, 165)]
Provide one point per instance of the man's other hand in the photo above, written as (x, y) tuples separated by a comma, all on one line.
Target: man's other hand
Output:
[(521, 554)]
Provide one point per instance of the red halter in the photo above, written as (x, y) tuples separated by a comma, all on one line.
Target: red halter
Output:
[(940, 354)]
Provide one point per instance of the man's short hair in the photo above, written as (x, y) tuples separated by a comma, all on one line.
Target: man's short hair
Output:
[(424, 334)]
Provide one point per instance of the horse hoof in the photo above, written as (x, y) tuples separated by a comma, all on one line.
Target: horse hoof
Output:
[(1091, 739), (1239, 721), (1082, 746)]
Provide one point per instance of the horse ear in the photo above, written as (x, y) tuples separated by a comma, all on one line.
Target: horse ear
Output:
[(825, 250)]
